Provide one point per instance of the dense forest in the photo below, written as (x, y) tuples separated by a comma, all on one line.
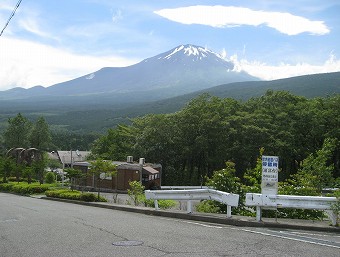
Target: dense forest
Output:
[(194, 142), (209, 131)]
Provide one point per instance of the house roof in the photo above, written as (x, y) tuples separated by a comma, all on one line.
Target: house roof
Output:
[(77, 156), (150, 170)]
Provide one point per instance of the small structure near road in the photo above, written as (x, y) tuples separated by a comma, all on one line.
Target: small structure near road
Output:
[(149, 174)]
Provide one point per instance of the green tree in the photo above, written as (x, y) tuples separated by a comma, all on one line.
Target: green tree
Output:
[(40, 136), (28, 172), (226, 181), (54, 164), (74, 174), (117, 144), (17, 132), (136, 192), (205, 135), (50, 177), (157, 139), (64, 139), (7, 166), (253, 177), (102, 169), (208, 131), (316, 171), (39, 168)]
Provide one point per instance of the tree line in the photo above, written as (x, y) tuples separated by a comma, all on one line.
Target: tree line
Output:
[(199, 139), (24, 133), (208, 132)]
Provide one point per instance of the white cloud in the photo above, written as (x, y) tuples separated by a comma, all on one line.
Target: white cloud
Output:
[(230, 16), (26, 64), (32, 26), (5, 7), (284, 70), (117, 15)]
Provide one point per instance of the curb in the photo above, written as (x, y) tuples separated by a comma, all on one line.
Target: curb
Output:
[(200, 217)]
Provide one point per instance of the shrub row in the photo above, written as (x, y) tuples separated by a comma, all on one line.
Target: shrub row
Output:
[(74, 195), (162, 204), (24, 188)]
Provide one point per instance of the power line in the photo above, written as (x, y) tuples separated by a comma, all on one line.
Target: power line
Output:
[(10, 17)]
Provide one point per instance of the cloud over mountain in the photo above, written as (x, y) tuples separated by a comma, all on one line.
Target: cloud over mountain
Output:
[(230, 16)]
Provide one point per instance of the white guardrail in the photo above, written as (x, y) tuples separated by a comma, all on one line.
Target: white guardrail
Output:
[(291, 201), (194, 194), (183, 187)]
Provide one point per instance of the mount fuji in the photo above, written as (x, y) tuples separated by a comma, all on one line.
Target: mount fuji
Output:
[(183, 69)]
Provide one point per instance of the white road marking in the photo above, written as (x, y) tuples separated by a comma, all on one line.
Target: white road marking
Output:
[(290, 238)]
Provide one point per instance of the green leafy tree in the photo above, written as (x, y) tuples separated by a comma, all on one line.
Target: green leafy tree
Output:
[(64, 139), (74, 174), (28, 172), (316, 171), (50, 178), (102, 169), (158, 141), (136, 192), (253, 177), (54, 164), (117, 144), (226, 181), (17, 132), (39, 168), (40, 136), (208, 131), (7, 166)]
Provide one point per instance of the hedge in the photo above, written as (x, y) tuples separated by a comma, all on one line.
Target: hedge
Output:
[(24, 188), (74, 195)]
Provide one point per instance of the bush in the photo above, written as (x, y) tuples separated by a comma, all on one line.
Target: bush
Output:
[(162, 204), (88, 197), (23, 188), (74, 195), (6, 187), (288, 188), (50, 177), (136, 192), (208, 206)]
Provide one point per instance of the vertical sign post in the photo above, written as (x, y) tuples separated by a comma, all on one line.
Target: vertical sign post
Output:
[(270, 175)]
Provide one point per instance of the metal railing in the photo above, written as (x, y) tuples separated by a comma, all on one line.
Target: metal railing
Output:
[(183, 187), (194, 194), (291, 201)]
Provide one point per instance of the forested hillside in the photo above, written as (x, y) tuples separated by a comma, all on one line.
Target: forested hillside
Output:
[(209, 131)]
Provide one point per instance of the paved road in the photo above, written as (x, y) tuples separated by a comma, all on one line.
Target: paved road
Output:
[(35, 227)]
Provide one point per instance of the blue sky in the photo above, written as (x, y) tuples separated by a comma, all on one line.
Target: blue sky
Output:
[(49, 41)]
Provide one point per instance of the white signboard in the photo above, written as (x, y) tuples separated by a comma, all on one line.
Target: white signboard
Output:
[(270, 175)]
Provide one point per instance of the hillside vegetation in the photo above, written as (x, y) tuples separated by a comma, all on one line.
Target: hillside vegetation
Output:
[(97, 113), (209, 131)]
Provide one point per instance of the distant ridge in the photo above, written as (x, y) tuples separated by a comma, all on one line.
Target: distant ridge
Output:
[(95, 113), (310, 86)]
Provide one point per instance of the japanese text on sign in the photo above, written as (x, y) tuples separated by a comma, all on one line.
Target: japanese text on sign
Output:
[(270, 168)]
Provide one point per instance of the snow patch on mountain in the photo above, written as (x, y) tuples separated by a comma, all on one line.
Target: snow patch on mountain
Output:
[(189, 50), (174, 52), (91, 76)]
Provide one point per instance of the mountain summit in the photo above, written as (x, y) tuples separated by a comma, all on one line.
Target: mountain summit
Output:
[(191, 54), (183, 69)]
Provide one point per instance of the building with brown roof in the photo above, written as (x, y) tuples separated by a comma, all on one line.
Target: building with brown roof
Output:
[(148, 174)]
